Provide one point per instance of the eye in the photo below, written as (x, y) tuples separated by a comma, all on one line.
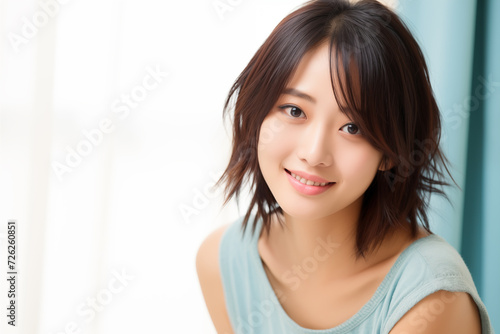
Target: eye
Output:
[(292, 111), (351, 129)]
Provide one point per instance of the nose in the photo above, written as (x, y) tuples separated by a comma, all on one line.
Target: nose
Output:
[(315, 146)]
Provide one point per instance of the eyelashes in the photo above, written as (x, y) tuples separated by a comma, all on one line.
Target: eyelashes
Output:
[(293, 111), (297, 113), (351, 129)]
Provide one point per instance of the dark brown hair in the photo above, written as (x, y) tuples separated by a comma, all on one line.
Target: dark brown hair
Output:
[(388, 95)]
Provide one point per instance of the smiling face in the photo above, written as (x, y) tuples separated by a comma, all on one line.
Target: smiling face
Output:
[(306, 136)]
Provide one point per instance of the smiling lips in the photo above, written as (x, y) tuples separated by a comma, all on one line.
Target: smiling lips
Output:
[(308, 184)]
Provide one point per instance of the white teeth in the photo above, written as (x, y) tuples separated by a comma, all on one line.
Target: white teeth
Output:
[(308, 182)]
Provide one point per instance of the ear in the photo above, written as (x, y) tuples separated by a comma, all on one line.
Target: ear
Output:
[(385, 164)]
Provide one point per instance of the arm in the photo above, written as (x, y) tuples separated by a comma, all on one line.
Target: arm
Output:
[(207, 266), (440, 313)]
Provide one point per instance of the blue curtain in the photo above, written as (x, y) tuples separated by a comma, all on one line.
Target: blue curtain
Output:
[(461, 41)]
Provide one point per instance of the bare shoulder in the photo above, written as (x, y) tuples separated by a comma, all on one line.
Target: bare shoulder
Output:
[(207, 266), (441, 312)]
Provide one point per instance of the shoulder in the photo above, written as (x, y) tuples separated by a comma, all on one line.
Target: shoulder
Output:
[(441, 312), (207, 267), (440, 255), (207, 255), (433, 261), (433, 291)]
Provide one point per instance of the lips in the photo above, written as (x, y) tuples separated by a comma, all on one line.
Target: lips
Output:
[(306, 186), (308, 179)]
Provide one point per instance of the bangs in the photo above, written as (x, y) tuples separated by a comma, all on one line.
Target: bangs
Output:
[(362, 83), (345, 82)]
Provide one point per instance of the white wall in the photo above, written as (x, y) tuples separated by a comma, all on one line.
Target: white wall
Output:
[(117, 211)]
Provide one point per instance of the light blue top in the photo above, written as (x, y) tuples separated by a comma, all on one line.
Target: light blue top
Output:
[(426, 266)]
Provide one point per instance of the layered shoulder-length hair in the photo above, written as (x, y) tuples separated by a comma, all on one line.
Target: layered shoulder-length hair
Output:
[(385, 90)]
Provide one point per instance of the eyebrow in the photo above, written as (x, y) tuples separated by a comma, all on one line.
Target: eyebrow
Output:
[(298, 93)]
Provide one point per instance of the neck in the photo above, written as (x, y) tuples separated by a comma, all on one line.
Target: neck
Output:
[(301, 237), (320, 249)]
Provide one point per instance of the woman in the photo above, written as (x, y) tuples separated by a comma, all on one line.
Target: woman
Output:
[(336, 130)]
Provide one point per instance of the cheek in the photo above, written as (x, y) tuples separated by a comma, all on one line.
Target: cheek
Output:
[(359, 163), (275, 140)]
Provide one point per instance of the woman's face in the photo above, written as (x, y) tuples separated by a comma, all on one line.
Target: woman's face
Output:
[(306, 134)]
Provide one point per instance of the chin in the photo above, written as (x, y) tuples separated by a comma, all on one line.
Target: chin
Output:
[(304, 211)]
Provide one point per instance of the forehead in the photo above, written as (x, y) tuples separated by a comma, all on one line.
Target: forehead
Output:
[(322, 72), (313, 66)]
